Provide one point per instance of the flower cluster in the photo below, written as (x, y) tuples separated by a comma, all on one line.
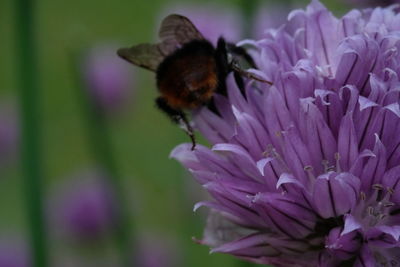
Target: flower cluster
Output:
[(13, 252), (306, 172), (156, 250), (84, 207), (107, 78)]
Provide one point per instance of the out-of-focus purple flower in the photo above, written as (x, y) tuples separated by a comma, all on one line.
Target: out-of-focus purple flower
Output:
[(9, 133), (13, 253), (108, 78), (84, 208), (307, 172), (212, 20), (268, 17), (157, 251)]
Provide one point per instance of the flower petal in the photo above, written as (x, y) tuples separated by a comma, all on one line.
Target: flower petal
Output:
[(335, 194), (347, 143), (375, 167)]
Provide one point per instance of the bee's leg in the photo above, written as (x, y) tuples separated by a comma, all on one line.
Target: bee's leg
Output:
[(224, 69), (236, 68), (240, 51), (221, 56), (178, 117), (240, 83)]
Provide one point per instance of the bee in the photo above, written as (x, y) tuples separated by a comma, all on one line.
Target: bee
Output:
[(189, 69)]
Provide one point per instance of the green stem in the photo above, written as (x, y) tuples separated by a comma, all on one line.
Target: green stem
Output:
[(31, 156), (101, 148)]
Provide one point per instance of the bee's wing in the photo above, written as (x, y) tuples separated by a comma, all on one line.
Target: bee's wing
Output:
[(175, 31), (147, 56)]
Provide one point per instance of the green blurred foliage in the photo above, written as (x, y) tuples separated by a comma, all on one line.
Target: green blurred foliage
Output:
[(142, 137)]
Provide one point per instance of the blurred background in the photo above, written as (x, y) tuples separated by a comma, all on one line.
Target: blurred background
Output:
[(103, 145)]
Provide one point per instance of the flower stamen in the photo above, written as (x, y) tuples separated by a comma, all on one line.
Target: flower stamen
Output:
[(327, 167), (310, 173), (337, 158), (271, 152), (378, 206)]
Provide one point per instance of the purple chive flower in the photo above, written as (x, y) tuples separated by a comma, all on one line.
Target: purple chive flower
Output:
[(9, 134), (13, 252), (156, 251), (84, 208), (307, 172), (212, 20), (108, 79)]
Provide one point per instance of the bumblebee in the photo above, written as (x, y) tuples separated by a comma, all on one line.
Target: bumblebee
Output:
[(189, 69)]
